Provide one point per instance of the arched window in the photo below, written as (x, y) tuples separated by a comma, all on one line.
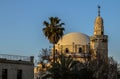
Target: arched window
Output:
[(80, 50), (66, 50)]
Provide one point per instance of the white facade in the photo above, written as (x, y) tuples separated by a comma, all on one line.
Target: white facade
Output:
[(16, 69)]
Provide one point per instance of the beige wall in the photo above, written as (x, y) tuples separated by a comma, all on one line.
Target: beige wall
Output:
[(12, 67)]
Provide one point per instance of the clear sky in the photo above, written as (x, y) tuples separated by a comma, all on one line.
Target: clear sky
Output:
[(21, 23)]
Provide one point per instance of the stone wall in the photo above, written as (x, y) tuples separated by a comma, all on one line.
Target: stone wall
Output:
[(13, 66)]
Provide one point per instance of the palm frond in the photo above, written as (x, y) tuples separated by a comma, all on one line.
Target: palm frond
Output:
[(53, 31), (46, 23)]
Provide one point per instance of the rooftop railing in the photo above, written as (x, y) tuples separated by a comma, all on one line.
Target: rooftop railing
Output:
[(15, 57)]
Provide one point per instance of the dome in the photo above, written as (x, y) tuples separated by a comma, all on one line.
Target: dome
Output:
[(76, 38)]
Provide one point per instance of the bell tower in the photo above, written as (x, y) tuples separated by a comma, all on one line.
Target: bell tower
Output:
[(99, 41), (98, 25)]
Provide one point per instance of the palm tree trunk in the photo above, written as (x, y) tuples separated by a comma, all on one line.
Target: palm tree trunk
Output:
[(53, 60), (54, 53)]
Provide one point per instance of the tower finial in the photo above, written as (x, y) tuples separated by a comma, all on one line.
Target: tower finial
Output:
[(98, 10)]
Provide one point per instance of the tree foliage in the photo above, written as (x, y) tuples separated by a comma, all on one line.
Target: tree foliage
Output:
[(63, 67), (44, 54), (53, 30)]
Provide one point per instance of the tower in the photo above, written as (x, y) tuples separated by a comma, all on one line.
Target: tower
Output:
[(99, 41)]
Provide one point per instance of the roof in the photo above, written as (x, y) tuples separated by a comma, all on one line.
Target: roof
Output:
[(74, 37)]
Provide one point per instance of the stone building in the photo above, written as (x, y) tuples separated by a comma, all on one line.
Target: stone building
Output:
[(16, 67), (83, 47)]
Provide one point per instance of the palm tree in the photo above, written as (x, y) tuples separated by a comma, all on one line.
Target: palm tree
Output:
[(63, 67), (53, 31)]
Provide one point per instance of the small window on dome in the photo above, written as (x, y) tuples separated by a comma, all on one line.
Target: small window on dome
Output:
[(66, 50), (80, 50)]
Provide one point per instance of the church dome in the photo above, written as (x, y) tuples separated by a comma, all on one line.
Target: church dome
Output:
[(75, 37)]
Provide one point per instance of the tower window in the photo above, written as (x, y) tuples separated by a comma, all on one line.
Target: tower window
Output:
[(104, 40), (66, 50), (80, 50)]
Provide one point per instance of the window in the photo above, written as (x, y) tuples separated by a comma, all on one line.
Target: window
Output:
[(80, 50), (4, 73), (66, 50), (104, 40), (19, 74)]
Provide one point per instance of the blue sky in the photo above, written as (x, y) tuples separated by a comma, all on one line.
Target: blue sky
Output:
[(21, 23)]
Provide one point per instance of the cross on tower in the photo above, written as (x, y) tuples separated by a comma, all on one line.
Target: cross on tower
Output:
[(98, 10)]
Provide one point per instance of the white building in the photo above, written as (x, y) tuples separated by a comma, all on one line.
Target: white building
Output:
[(16, 67)]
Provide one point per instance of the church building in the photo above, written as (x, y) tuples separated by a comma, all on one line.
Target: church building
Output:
[(83, 47)]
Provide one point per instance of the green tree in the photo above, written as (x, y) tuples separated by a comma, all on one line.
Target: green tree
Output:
[(44, 55), (63, 67), (53, 31), (103, 70), (118, 71), (85, 73), (99, 69), (112, 65)]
